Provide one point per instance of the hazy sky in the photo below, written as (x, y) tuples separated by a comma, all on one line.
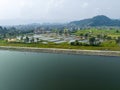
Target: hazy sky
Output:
[(31, 11)]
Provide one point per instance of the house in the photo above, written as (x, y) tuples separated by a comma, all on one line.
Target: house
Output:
[(12, 40)]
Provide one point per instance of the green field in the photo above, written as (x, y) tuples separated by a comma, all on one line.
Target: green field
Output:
[(94, 32)]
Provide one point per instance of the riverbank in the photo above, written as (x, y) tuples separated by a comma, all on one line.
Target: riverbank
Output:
[(63, 51)]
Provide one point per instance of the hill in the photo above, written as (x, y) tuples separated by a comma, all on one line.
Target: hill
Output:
[(99, 20)]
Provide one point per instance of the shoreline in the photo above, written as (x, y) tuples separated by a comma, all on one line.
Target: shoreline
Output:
[(62, 51)]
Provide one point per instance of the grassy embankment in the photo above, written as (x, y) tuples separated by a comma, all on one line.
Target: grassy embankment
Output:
[(63, 46)]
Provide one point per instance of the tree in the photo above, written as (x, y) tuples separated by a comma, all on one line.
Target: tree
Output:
[(109, 38), (104, 36), (37, 39), (27, 39), (76, 42), (55, 31), (86, 35), (81, 35), (118, 40), (72, 43), (32, 40), (92, 41), (99, 36), (117, 31), (60, 32), (65, 31)]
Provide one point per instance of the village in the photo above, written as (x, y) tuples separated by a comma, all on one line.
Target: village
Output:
[(44, 37), (87, 37)]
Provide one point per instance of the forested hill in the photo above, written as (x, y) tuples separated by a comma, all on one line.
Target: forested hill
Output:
[(99, 20)]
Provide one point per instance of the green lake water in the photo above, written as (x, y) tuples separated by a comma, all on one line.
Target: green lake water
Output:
[(45, 71)]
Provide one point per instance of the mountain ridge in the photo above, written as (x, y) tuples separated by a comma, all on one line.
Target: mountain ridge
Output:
[(100, 20)]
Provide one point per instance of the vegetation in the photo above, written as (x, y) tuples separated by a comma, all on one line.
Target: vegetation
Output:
[(99, 20), (98, 38), (101, 33), (108, 45)]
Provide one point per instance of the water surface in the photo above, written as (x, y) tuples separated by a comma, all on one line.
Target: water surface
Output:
[(45, 71)]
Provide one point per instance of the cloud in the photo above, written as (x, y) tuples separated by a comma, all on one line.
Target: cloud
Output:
[(40, 8), (85, 4), (57, 10), (9, 8)]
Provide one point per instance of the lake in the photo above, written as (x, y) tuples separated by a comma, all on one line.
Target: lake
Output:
[(46, 71)]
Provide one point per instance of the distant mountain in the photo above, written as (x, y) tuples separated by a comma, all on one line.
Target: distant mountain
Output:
[(99, 20)]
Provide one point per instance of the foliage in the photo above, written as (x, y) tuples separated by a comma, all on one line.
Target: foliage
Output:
[(92, 41), (99, 20), (110, 43), (103, 46)]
